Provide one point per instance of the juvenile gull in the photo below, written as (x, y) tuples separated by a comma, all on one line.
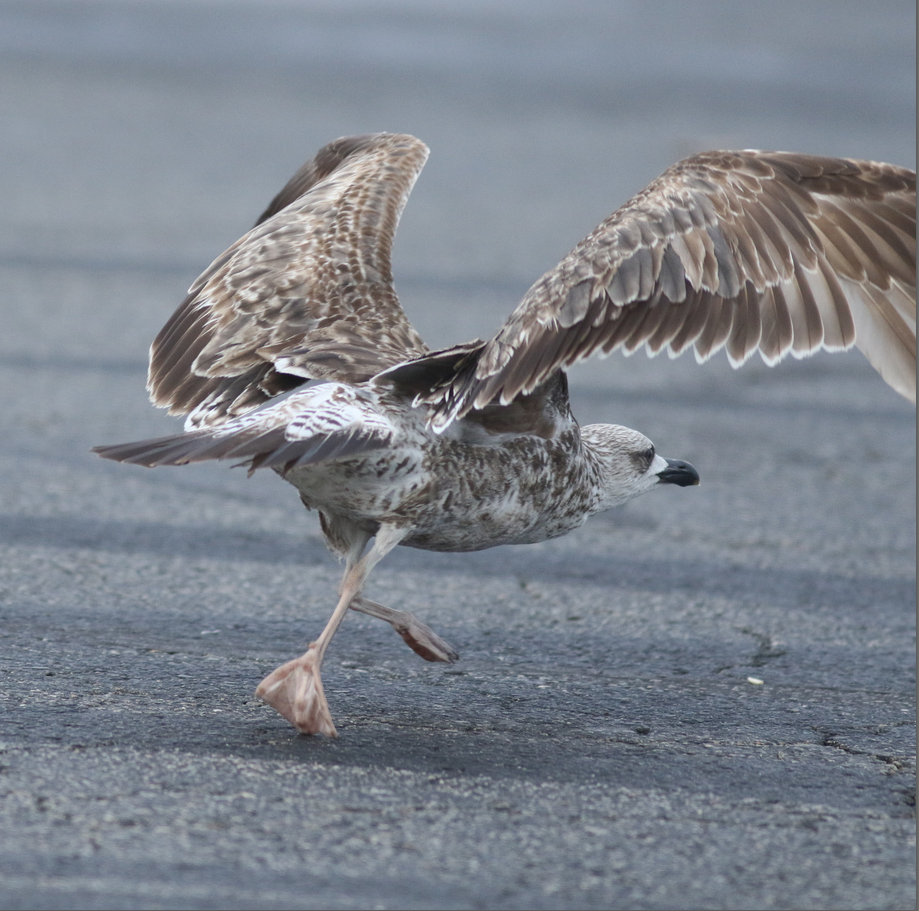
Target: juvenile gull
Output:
[(475, 446)]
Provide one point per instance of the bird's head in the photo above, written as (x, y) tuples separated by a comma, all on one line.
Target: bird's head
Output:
[(628, 464)]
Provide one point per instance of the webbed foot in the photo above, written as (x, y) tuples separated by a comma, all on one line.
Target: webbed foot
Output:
[(295, 691), (419, 637)]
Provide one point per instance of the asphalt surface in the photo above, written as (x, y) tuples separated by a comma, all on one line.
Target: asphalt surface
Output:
[(602, 743)]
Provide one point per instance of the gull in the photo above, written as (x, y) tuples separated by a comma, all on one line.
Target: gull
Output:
[(292, 352)]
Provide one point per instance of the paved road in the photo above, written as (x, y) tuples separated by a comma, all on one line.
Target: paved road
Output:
[(600, 744)]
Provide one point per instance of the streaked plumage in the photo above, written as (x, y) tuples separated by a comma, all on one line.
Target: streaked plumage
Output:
[(475, 445)]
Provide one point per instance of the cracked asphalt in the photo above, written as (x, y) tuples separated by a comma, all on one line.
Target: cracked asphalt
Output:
[(703, 700)]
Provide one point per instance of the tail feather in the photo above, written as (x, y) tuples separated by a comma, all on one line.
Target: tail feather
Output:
[(268, 450)]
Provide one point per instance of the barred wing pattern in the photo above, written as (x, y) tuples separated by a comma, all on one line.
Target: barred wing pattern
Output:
[(306, 294), (751, 251), (306, 426)]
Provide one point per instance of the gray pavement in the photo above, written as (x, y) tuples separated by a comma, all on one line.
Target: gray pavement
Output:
[(600, 744)]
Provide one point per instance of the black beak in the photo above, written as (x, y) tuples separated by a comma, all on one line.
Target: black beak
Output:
[(680, 473)]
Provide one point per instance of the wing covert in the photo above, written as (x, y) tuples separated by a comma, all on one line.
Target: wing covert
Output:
[(312, 425), (774, 252), (307, 293)]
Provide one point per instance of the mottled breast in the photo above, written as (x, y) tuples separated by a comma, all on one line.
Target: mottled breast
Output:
[(457, 496)]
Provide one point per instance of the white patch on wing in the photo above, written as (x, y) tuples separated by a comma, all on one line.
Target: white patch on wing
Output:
[(334, 410), (327, 411)]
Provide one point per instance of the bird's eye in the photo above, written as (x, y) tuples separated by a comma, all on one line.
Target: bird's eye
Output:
[(642, 460)]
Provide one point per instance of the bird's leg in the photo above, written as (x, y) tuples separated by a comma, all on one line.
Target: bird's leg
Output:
[(417, 635), (295, 688)]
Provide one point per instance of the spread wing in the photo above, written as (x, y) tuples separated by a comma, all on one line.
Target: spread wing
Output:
[(751, 251), (307, 293)]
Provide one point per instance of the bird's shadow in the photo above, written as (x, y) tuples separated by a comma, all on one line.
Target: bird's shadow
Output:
[(183, 692)]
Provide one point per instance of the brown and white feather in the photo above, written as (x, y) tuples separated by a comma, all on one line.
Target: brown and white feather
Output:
[(774, 252), (306, 294)]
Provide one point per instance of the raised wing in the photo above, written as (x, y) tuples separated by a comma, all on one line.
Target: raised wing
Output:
[(752, 251), (307, 293)]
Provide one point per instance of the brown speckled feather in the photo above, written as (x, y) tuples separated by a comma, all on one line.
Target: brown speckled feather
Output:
[(307, 293), (751, 251)]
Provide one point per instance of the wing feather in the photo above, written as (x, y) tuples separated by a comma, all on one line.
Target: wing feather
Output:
[(778, 331), (717, 328), (314, 274), (694, 320), (311, 425), (775, 252), (746, 327)]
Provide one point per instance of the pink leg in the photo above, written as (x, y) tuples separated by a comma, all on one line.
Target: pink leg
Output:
[(419, 637), (295, 688)]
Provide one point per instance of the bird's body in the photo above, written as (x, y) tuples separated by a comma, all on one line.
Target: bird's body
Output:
[(476, 446), (458, 491), (455, 495)]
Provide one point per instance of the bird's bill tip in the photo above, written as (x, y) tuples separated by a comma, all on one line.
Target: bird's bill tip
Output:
[(680, 473)]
